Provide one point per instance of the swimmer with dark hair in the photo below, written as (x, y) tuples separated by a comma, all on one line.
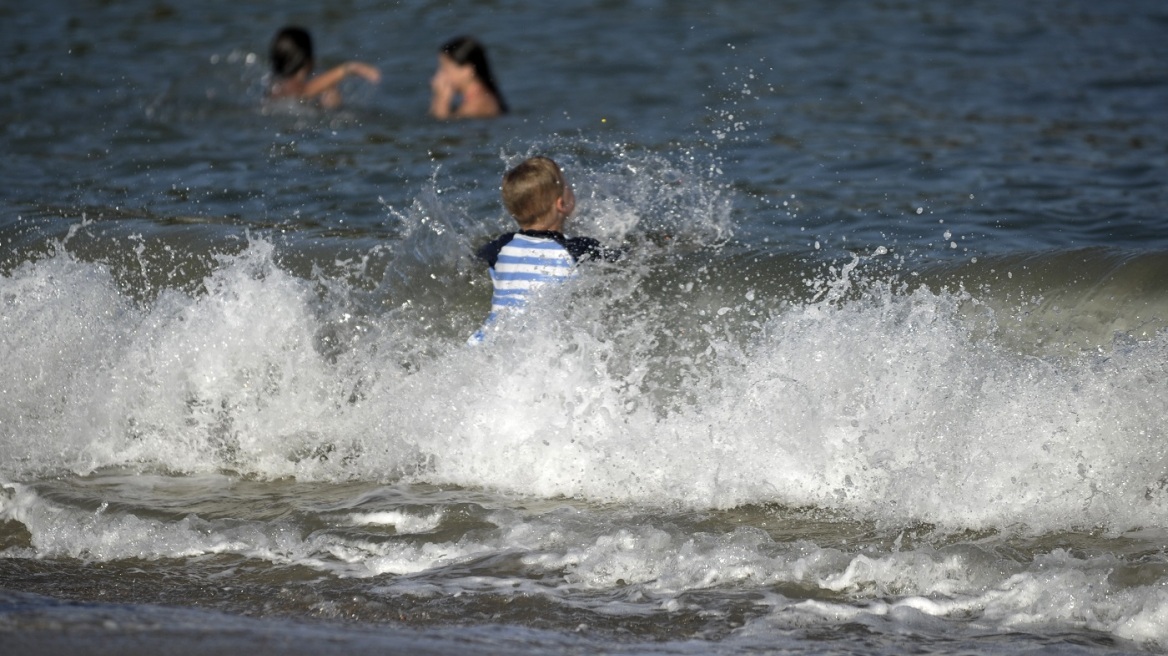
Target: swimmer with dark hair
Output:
[(292, 66), (464, 86)]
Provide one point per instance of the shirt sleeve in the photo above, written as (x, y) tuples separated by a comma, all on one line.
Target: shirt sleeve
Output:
[(490, 252), (587, 248)]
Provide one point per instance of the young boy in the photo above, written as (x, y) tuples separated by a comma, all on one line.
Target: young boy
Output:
[(537, 195)]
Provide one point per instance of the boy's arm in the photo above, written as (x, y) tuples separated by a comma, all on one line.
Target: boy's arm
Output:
[(490, 252), (582, 248)]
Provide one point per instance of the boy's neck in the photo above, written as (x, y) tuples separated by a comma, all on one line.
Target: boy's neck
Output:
[(554, 223), (532, 232)]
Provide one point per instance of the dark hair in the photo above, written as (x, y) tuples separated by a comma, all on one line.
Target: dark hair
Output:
[(467, 50), (291, 51)]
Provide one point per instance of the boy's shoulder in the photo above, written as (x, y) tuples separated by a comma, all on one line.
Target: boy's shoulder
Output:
[(489, 253), (579, 248), (582, 247)]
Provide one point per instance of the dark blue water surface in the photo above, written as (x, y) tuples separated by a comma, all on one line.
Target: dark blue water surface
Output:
[(1027, 127)]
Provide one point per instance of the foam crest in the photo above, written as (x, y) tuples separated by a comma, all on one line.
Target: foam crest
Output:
[(885, 405), (1057, 592), (654, 564), (111, 534), (236, 377), (402, 522), (888, 406), (367, 558), (61, 321)]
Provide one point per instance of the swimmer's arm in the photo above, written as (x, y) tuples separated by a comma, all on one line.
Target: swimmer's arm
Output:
[(331, 78), (442, 96)]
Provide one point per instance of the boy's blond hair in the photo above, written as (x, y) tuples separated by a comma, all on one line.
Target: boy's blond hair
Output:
[(530, 190)]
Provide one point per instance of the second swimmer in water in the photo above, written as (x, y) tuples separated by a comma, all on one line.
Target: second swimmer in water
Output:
[(464, 86), (292, 66)]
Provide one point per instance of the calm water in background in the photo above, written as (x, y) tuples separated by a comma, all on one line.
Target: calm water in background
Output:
[(883, 370)]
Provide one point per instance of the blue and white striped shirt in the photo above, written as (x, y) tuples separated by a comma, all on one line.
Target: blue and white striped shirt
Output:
[(523, 265), (521, 262)]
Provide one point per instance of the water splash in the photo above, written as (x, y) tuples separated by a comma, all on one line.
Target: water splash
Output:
[(695, 373)]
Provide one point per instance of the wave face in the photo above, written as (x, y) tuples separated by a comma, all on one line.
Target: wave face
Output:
[(986, 395)]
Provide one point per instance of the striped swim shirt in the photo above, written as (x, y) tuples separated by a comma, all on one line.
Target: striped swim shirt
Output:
[(521, 262)]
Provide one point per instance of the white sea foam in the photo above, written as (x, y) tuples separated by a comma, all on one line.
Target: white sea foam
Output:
[(1056, 593), (403, 522), (968, 588), (886, 404)]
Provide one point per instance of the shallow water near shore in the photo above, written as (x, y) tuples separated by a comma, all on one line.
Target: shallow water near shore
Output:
[(882, 368)]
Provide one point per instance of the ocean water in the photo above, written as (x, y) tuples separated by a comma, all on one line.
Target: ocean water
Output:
[(883, 369)]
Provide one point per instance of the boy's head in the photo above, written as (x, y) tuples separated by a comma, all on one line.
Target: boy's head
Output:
[(535, 192)]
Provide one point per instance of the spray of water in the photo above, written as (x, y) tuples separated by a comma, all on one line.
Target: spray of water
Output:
[(693, 373)]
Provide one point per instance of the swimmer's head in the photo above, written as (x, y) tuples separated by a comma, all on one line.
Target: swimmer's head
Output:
[(465, 50), (291, 52)]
